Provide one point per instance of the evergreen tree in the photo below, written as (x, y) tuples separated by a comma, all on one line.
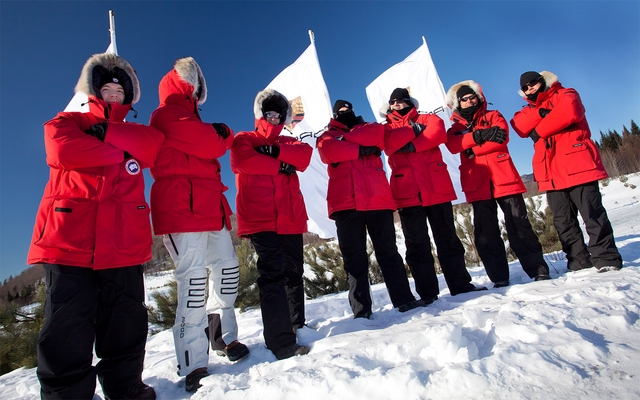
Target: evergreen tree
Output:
[(635, 131), (163, 315), (329, 276), (463, 214), (19, 331), (248, 291), (542, 223)]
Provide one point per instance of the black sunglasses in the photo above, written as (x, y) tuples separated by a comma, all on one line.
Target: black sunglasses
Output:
[(467, 98), (393, 101), (530, 84)]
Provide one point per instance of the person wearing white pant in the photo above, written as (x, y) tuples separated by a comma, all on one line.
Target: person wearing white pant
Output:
[(189, 209), (193, 253)]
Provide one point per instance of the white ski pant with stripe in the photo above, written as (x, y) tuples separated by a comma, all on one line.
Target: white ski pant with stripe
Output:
[(192, 254)]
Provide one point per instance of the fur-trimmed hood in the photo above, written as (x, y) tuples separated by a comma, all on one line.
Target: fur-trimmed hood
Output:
[(189, 71), (452, 93), (549, 77), (386, 108), (273, 95), (97, 65)]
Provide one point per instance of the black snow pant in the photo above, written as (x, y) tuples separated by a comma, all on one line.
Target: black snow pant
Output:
[(352, 227), (587, 200), (449, 249), (84, 306), (280, 265), (522, 238)]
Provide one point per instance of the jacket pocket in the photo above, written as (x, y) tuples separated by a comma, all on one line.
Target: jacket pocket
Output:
[(503, 172), (136, 226), (403, 184), (472, 176), (340, 185), (257, 202), (578, 158), (440, 178), (205, 197), (69, 224)]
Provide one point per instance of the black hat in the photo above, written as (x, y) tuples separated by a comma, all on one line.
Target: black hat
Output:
[(464, 90), (340, 104), (114, 75), (528, 77), (399, 93), (271, 104)]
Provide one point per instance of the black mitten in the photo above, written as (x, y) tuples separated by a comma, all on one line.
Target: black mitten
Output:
[(98, 130)]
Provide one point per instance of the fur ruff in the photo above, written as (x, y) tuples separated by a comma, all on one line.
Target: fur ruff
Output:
[(265, 94), (108, 61), (452, 93), (549, 77), (189, 71)]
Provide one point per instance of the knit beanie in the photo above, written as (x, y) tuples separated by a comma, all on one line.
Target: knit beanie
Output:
[(528, 77), (463, 91), (340, 104)]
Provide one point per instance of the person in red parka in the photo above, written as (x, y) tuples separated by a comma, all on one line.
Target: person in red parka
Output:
[(567, 165), (422, 189), (488, 176), (272, 214), (359, 200), (92, 234), (189, 209)]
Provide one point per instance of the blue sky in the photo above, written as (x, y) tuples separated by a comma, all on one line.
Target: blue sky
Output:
[(593, 46)]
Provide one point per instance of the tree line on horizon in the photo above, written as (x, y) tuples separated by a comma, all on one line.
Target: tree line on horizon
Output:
[(22, 297)]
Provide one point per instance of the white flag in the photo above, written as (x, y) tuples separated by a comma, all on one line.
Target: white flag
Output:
[(79, 101), (418, 75), (303, 84)]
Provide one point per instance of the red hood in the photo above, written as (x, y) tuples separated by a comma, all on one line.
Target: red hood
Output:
[(396, 119), (267, 130), (173, 90), (543, 96), (116, 112)]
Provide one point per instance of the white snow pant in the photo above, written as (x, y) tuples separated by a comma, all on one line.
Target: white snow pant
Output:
[(192, 253)]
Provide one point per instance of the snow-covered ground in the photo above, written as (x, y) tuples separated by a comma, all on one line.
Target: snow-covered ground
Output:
[(576, 336)]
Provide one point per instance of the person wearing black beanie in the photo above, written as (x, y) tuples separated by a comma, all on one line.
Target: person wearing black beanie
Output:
[(567, 165), (359, 200), (92, 235), (271, 212), (489, 179), (424, 192)]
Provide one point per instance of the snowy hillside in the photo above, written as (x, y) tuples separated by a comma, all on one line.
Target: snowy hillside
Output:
[(576, 336)]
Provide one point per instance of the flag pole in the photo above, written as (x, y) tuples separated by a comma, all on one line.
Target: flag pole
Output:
[(312, 36), (112, 31)]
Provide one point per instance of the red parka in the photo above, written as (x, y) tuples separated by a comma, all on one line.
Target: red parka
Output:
[(489, 172), (266, 199), (357, 183), (420, 178), (187, 195), (565, 155), (93, 213)]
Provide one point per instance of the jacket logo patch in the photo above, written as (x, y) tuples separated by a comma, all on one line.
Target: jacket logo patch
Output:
[(132, 167)]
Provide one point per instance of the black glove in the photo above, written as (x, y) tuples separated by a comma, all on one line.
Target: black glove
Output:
[(469, 153), (493, 134), (287, 169), (534, 136), (543, 112), (269, 150), (98, 130), (221, 129), (127, 155), (369, 151), (417, 128), (407, 148)]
